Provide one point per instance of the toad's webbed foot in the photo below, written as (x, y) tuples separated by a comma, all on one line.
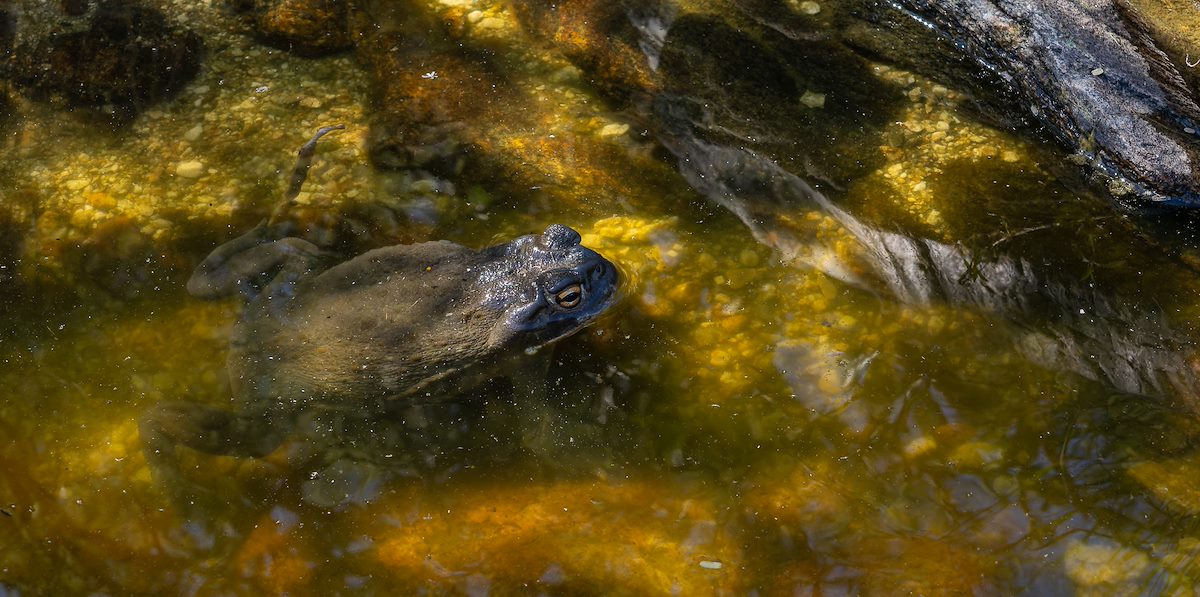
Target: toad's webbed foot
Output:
[(167, 425), (266, 255), (252, 263), (215, 430), (300, 173)]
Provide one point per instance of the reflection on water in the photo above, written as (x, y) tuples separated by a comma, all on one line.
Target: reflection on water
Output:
[(854, 355)]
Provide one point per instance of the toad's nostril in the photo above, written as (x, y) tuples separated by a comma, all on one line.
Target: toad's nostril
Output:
[(602, 271)]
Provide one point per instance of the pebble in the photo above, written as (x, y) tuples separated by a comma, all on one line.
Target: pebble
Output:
[(565, 74), (748, 258), (733, 323), (310, 102), (976, 455), (190, 169), (76, 184), (809, 7), (614, 129), (919, 446), (101, 200), (490, 23), (424, 187), (1103, 563), (719, 358), (475, 16), (193, 133), (81, 217), (813, 100)]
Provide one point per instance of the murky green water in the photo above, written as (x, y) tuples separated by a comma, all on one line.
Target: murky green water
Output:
[(764, 412)]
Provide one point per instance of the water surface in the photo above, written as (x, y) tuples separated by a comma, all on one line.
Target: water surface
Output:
[(947, 365)]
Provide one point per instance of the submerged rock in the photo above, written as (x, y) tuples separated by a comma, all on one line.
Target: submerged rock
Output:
[(1094, 77), (305, 27), (424, 89), (726, 102), (1102, 567), (597, 36), (124, 55)]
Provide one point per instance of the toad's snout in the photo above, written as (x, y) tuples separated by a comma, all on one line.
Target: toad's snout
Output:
[(602, 271)]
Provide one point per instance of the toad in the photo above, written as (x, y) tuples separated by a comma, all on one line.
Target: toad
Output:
[(413, 322)]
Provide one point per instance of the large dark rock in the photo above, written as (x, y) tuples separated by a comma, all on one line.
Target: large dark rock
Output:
[(120, 54), (748, 63), (304, 27), (1093, 74)]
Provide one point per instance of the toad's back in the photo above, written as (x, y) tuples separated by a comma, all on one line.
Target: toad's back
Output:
[(386, 324)]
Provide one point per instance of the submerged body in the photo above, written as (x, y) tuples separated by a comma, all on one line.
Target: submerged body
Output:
[(404, 322)]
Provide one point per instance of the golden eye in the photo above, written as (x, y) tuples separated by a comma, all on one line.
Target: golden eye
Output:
[(569, 297)]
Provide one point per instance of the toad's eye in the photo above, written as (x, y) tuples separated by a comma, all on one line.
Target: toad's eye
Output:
[(569, 297)]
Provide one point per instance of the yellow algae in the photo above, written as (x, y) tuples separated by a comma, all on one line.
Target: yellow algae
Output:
[(631, 538), (923, 566), (277, 556), (975, 455), (927, 137), (719, 358), (1173, 481), (831, 380), (803, 493)]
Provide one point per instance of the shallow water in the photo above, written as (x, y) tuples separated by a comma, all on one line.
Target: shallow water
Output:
[(772, 408)]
